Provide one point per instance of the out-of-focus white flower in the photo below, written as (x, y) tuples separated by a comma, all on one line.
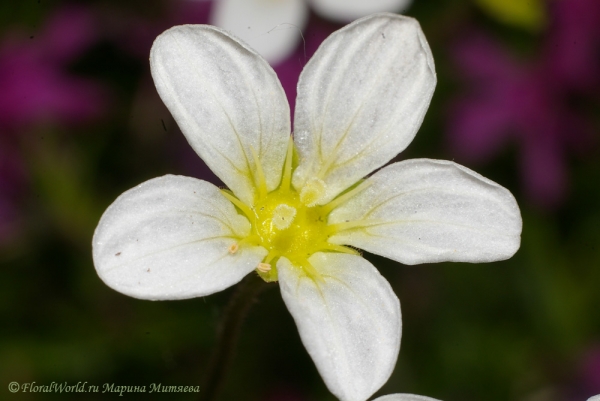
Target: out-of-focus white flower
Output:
[(290, 214), (349, 10), (273, 27), (594, 398)]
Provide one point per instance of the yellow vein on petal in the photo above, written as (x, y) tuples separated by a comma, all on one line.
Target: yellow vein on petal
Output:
[(333, 229), (345, 197), (241, 205), (430, 189), (218, 219), (357, 296), (223, 109), (236, 168), (340, 249), (315, 275), (287, 169), (327, 167), (337, 228), (167, 250), (208, 266), (334, 153), (261, 182)]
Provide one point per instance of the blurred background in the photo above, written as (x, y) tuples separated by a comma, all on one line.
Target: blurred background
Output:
[(518, 100)]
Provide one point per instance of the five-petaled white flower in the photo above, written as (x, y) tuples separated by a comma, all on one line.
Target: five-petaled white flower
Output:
[(295, 210)]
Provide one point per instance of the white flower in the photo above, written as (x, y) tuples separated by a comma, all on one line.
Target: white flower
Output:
[(594, 398), (273, 27), (290, 215)]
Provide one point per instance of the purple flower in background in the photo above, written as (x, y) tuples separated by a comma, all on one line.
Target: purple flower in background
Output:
[(37, 88), (587, 382), (36, 84), (590, 372), (528, 103), (573, 46)]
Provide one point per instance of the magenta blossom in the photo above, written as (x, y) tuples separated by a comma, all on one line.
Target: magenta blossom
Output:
[(527, 103), (37, 88), (573, 45), (36, 84), (590, 372), (587, 380)]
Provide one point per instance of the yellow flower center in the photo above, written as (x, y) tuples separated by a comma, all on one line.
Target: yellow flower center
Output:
[(287, 227), (288, 223)]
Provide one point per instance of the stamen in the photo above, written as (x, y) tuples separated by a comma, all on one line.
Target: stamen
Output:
[(260, 175), (233, 248), (345, 197), (287, 169), (263, 267)]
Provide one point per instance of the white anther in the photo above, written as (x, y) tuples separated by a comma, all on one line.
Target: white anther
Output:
[(283, 216), (233, 248), (313, 191), (263, 267)]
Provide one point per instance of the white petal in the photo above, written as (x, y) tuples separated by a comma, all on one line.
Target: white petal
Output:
[(421, 210), (594, 398), (404, 397), (349, 10), (349, 322), (272, 28), (226, 100), (169, 238), (361, 100)]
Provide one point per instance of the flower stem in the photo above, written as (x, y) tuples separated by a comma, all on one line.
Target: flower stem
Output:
[(228, 332)]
